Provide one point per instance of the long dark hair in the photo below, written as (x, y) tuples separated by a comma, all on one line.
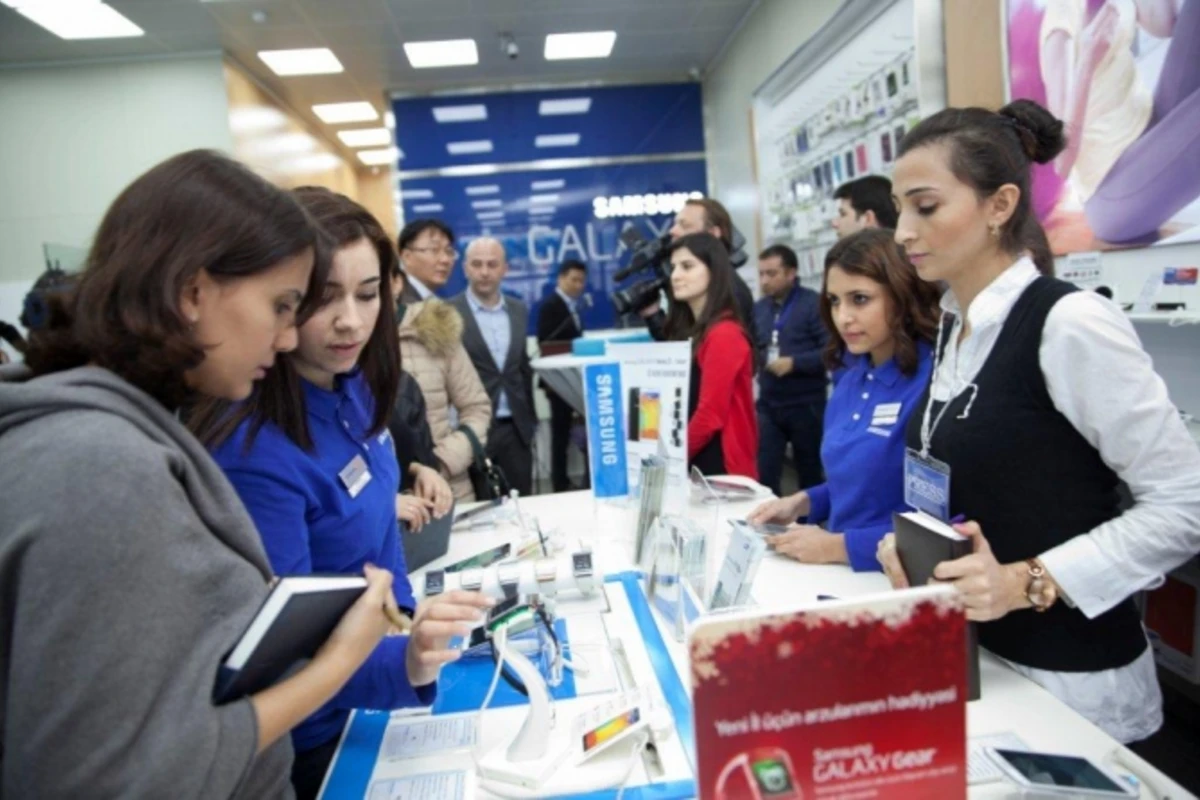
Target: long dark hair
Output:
[(279, 397), (719, 303), (874, 254), (197, 210), (991, 148)]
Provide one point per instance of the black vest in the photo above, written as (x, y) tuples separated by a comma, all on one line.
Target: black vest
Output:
[(1021, 470)]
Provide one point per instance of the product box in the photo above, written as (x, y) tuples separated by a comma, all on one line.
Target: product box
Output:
[(1172, 616), (858, 699)]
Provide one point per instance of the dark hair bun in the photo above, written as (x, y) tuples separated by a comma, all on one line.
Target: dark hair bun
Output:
[(1040, 132)]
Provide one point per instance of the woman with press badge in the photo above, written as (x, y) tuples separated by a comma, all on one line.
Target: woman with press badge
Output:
[(311, 457), (881, 319), (1042, 401)]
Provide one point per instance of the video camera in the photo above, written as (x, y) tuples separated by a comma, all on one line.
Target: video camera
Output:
[(650, 255)]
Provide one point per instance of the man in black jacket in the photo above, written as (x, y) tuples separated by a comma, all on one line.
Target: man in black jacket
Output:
[(708, 216), (559, 320)]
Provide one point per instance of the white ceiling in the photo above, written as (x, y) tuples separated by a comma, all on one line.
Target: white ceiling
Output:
[(656, 40)]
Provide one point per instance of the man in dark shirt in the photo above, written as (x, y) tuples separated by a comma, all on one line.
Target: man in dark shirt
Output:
[(790, 337), (559, 320)]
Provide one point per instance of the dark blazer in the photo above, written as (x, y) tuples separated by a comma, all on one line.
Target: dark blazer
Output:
[(517, 376), (410, 296), (554, 322)]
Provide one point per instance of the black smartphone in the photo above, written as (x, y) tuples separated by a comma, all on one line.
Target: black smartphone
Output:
[(480, 560)]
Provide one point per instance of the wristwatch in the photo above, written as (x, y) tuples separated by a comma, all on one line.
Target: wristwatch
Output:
[(508, 574), (546, 572), (1040, 591), (471, 579), (435, 582), (581, 567)]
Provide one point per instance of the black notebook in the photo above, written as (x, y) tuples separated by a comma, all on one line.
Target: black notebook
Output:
[(922, 542), (294, 621)]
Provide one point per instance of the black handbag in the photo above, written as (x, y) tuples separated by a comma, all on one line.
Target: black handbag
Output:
[(487, 479)]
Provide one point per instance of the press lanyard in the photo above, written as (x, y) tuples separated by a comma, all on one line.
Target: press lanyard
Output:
[(928, 427), (781, 317)]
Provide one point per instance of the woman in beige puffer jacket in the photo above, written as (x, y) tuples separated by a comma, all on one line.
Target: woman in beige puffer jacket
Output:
[(432, 351)]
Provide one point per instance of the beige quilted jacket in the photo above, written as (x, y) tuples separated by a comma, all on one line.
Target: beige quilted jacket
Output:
[(431, 350)]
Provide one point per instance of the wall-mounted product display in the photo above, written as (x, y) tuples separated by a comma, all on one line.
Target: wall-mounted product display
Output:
[(838, 112), (1127, 85)]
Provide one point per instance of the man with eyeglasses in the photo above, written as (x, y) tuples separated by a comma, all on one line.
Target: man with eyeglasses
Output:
[(427, 253)]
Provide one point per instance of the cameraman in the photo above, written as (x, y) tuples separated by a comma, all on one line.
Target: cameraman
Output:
[(703, 215)]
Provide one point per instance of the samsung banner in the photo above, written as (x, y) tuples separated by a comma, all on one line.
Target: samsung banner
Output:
[(554, 175), (605, 429)]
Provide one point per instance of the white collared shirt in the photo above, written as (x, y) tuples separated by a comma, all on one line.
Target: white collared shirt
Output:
[(424, 291), (494, 324), (1104, 383)]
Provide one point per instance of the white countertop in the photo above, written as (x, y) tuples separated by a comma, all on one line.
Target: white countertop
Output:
[(1009, 702)]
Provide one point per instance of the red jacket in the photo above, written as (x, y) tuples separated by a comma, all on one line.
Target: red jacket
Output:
[(726, 402)]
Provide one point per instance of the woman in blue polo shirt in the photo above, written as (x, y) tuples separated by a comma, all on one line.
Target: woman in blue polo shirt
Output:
[(312, 460), (882, 320)]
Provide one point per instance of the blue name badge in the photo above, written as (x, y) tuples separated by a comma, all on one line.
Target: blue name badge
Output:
[(927, 484)]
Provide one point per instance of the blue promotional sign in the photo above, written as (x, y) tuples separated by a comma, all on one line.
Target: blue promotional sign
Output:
[(606, 429), (554, 175)]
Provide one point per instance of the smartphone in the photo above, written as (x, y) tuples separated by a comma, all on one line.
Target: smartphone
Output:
[(633, 430), (1053, 774), (649, 411), (766, 528), (484, 559), (479, 509)]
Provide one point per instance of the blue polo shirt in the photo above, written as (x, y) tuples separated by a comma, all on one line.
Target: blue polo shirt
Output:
[(310, 523), (863, 452), (802, 336)]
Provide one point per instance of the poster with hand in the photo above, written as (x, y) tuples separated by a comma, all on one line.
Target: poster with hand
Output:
[(1124, 77)]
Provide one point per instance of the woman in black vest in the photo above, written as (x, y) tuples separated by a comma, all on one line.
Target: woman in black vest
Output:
[(1042, 402)]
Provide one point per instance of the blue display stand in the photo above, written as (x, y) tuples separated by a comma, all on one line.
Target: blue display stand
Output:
[(354, 763)]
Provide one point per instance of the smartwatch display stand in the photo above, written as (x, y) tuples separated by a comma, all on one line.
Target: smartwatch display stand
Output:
[(533, 763)]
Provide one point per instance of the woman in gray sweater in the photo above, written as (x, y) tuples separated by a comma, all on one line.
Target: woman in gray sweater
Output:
[(129, 567)]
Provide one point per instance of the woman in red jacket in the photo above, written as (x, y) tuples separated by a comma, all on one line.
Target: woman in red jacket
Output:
[(722, 427)]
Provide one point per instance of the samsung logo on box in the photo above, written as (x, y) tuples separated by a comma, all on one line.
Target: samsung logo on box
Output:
[(641, 205)]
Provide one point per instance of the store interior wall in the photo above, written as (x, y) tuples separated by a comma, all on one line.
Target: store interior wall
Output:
[(73, 136)]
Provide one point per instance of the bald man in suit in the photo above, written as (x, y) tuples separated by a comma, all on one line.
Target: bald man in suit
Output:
[(494, 329)]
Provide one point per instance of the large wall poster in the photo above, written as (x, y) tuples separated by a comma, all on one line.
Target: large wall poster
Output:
[(1125, 77)]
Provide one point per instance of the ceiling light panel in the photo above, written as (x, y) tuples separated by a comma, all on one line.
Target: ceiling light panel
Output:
[(334, 113), (427, 208), (546, 186), (310, 61), (490, 215), (595, 44), (417, 194), (77, 19), (476, 112), (476, 191), (557, 140), (477, 204), (469, 148), (447, 53), (378, 158), (565, 105), (366, 137)]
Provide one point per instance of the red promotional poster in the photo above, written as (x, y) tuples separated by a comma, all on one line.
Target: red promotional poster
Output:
[(848, 700)]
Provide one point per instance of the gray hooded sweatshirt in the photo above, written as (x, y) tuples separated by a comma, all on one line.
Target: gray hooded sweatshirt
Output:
[(128, 569)]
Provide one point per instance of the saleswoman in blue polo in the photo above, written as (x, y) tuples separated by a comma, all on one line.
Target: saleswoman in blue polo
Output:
[(882, 320), (312, 460)]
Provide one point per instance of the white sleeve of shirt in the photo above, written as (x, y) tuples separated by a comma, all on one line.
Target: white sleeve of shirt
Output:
[(1102, 380)]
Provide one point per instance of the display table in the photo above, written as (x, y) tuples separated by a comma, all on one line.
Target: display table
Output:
[(1009, 704)]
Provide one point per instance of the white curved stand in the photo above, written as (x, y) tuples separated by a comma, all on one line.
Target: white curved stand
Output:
[(533, 740)]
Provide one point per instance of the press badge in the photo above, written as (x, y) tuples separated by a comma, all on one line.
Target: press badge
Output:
[(355, 476), (927, 484), (773, 350)]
